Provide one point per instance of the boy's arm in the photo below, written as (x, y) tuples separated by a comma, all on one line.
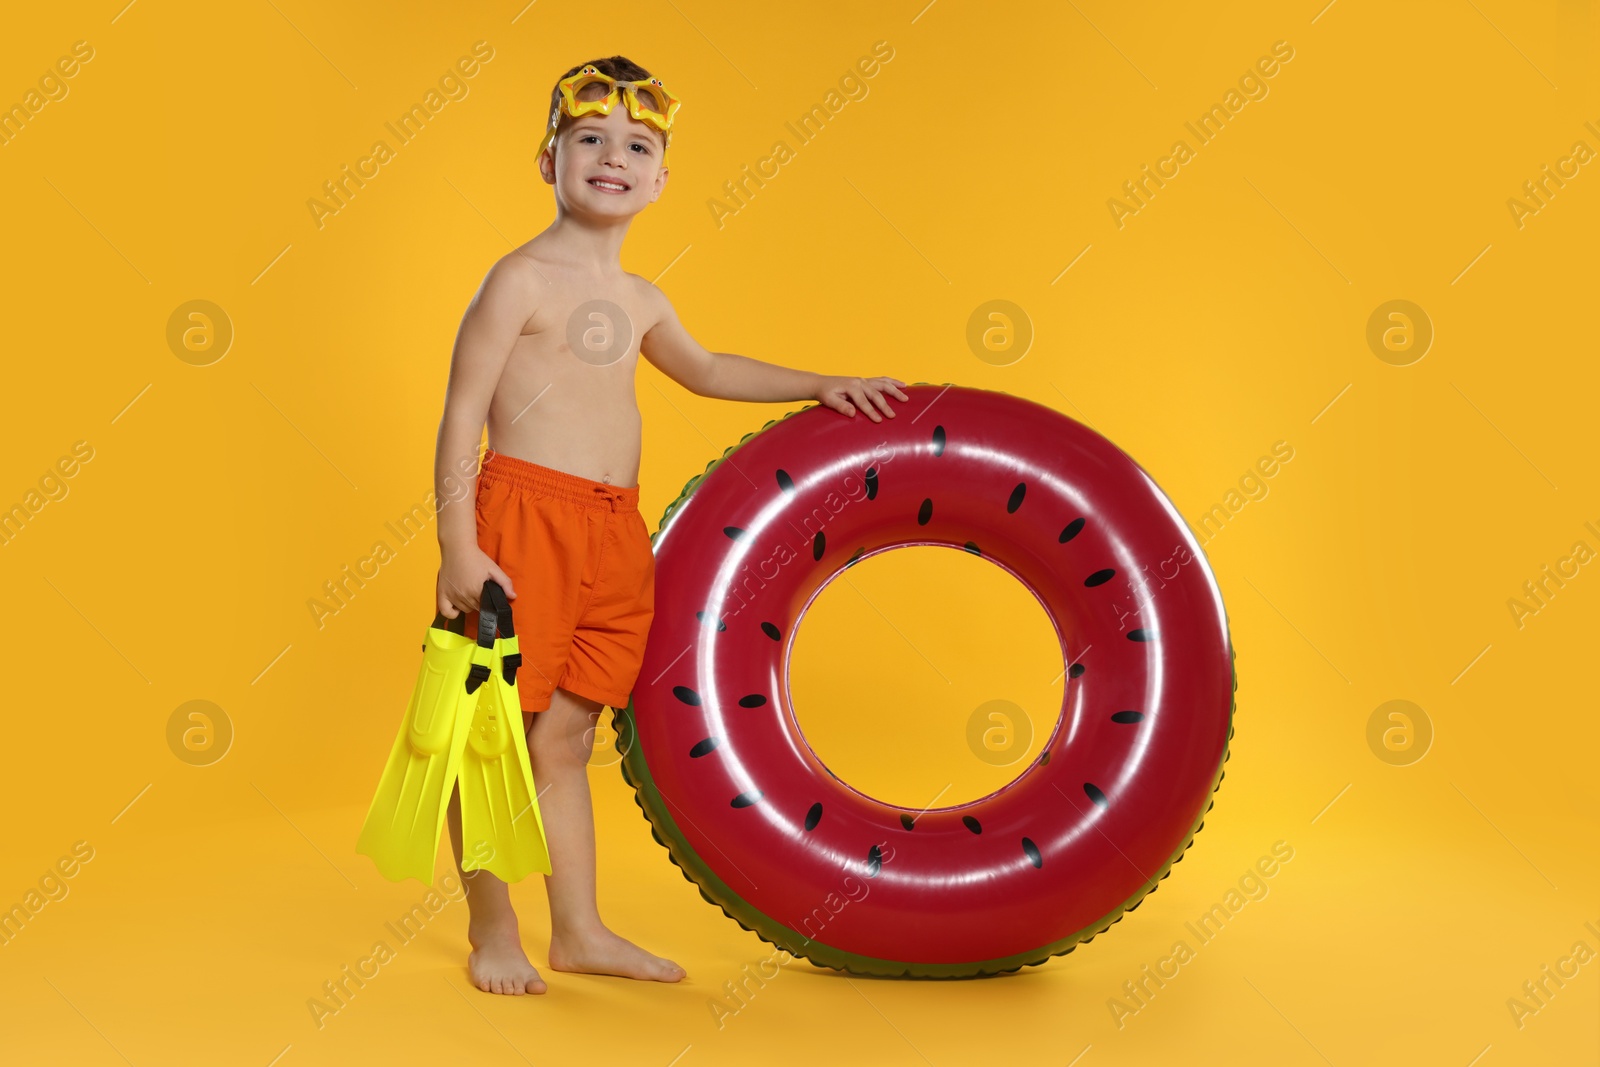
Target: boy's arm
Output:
[(489, 329), (726, 376)]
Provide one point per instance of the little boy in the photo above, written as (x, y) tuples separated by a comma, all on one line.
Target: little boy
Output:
[(546, 354)]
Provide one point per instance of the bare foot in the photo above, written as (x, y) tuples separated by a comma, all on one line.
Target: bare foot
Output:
[(602, 952), (498, 964)]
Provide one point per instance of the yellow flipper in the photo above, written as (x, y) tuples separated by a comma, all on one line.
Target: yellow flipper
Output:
[(502, 831), (402, 829)]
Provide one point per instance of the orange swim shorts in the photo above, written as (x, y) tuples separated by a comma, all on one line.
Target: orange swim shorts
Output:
[(578, 555)]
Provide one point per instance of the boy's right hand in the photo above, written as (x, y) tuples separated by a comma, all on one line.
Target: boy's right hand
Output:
[(461, 578)]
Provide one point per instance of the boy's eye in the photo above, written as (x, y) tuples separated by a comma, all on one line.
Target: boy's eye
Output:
[(640, 146)]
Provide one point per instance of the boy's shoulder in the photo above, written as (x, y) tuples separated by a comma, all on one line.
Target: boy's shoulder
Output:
[(654, 302), (644, 287), (513, 284), (518, 267)]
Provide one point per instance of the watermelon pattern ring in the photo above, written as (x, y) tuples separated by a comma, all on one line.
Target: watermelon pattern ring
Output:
[(1122, 784)]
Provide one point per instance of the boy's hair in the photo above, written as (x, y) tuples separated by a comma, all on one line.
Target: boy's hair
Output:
[(619, 67)]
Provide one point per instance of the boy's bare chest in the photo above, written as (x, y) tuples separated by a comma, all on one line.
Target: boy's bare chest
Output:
[(598, 324)]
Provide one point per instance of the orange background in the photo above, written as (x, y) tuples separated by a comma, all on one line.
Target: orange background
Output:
[(1228, 314)]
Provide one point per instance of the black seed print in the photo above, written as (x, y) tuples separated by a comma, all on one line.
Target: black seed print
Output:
[(687, 695), (702, 747), (1032, 851), (972, 546), (872, 483), (1141, 634), (818, 545), (1016, 498), (1070, 530), (908, 822), (772, 631), (938, 440), (733, 532), (1075, 671), (814, 816), (702, 617), (1095, 794), (856, 556), (874, 861), (744, 800), (1100, 577), (925, 512), (1044, 757), (972, 824), (1127, 716), (785, 482), (754, 700)]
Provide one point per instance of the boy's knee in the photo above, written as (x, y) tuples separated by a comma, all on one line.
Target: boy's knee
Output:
[(566, 735)]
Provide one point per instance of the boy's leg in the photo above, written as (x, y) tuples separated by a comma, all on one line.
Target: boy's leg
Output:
[(559, 744), (497, 963)]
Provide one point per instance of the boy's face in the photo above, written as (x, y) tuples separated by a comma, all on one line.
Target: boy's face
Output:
[(596, 154)]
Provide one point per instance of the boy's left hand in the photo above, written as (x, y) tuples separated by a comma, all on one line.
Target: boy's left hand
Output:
[(845, 394)]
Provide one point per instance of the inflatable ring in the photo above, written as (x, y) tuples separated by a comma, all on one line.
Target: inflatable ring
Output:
[(752, 816)]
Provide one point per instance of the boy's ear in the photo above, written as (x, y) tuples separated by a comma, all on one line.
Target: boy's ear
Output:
[(547, 165), (661, 184)]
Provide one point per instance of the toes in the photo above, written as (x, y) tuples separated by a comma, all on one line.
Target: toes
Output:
[(512, 986)]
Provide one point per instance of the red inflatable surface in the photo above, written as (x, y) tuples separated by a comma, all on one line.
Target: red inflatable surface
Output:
[(724, 774)]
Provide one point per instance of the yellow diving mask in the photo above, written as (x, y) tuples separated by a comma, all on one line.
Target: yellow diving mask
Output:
[(591, 92)]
